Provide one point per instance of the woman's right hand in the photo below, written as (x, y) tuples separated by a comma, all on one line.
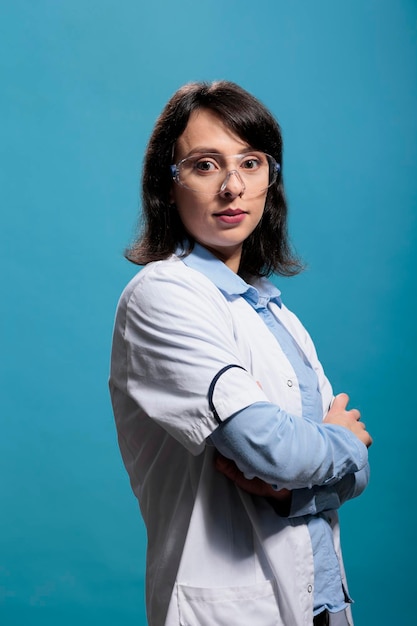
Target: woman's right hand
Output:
[(254, 486), (350, 419)]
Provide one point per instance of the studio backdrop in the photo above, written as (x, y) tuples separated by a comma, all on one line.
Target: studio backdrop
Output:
[(82, 83)]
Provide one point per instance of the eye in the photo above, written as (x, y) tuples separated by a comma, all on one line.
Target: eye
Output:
[(204, 166), (252, 163)]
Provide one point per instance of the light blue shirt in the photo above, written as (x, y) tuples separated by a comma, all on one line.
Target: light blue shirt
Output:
[(259, 420)]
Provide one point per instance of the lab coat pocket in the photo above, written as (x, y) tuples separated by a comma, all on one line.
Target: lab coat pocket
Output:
[(254, 605)]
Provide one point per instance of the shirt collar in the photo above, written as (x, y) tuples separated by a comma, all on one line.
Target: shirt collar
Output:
[(229, 283)]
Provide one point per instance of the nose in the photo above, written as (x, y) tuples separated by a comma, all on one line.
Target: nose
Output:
[(233, 185)]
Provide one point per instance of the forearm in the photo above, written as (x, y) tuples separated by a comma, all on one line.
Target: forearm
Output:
[(310, 501), (287, 451)]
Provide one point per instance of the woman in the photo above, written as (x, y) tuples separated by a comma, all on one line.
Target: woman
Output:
[(236, 449)]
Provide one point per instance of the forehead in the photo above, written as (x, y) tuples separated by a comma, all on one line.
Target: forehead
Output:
[(206, 132)]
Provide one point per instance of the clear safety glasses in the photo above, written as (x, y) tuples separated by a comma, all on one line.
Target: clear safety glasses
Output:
[(211, 173)]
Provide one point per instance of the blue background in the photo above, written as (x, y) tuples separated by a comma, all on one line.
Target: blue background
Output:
[(82, 82)]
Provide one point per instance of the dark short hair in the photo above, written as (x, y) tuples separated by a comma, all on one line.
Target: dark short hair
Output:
[(267, 249)]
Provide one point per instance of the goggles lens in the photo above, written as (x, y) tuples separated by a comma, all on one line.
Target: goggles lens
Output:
[(208, 173)]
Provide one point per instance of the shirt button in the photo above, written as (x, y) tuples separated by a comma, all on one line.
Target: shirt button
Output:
[(289, 382), (310, 588)]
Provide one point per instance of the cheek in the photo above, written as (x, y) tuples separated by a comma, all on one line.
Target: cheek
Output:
[(260, 208), (180, 197), (188, 211), (191, 218), (190, 208)]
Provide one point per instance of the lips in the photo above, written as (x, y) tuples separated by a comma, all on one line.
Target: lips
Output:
[(230, 212), (231, 216)]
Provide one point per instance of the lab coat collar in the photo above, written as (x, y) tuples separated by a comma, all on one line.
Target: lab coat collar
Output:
[(230, 284)]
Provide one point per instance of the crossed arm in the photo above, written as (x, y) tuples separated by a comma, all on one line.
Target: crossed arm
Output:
[(295, 485)]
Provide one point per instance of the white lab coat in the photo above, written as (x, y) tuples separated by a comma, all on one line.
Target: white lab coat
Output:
[(216, 555)]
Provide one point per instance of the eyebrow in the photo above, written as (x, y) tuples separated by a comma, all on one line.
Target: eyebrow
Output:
[(207, 150)]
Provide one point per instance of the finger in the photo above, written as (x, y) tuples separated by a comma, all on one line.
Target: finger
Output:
[(222, 463), (367, 439), (355, 413), (219, 460), (227, 467), (340, 402)]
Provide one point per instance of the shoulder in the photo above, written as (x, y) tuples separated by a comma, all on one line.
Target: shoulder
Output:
[(169, 283)]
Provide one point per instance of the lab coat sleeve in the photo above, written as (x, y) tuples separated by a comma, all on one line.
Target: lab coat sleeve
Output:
[(173, 334)]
